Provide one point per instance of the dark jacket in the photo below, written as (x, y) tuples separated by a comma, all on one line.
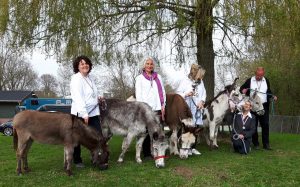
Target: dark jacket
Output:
[(247, 85), (249, 126)]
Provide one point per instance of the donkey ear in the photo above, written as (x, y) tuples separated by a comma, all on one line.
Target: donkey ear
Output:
[(155, 136), (254, 94)]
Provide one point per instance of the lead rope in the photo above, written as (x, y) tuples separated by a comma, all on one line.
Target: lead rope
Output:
[(272, 107), (236, 135), (197, 109)]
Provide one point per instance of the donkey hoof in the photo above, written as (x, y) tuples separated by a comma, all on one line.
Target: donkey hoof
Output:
[(69, 173), (27, 170), (19, 174), (120, 160), (138, 160)]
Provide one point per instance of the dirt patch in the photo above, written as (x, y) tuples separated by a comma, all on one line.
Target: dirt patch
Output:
[(184, 172)]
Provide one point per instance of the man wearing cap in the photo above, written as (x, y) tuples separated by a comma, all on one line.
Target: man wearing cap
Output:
[(262, 85)]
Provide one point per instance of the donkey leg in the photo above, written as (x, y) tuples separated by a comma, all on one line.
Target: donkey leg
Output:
[(126, 143), (212, 131), (25, 161), (22, 144), (206, 136), (138, 147), (173, 143), (65, 159), (68, 159), (215, 144), (19, 163)]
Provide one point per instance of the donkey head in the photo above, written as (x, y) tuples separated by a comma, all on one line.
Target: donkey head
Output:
[(101, 154), (187, 140), (160, 145), (257, 105)]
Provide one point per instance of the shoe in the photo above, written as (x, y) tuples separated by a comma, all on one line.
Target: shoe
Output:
[(256, 147), (268, 148), (148, 157), (79, 165), (195, 152)]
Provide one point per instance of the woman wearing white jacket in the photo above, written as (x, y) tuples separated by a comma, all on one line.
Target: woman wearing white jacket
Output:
[(84, 96), (149, 88), (193, 91)]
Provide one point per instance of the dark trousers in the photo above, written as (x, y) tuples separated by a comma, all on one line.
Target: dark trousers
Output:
[(93, 122), (240, 147), (147, 141), (264, 123)]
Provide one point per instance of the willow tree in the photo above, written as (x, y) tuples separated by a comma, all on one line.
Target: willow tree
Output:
[(275, 45), (100, 27)]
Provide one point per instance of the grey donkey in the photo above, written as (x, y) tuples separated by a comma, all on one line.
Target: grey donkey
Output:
[(134, 119)]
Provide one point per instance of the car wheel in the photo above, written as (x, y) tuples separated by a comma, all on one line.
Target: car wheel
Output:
[(8, 131)]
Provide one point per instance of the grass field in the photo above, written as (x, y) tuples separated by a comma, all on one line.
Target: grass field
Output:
[(222, 167)]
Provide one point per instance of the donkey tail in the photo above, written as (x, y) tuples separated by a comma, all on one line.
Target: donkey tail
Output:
[(15, 139)]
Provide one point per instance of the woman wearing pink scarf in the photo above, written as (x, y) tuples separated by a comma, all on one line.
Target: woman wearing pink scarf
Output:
[(149, 88)]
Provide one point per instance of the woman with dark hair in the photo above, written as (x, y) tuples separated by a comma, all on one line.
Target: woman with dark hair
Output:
[(84, 99), (149, 88)]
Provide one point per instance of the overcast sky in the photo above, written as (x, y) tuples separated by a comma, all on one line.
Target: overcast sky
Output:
[(41, 64)]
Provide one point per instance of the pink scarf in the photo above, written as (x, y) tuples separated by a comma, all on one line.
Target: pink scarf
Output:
[(159, 87)]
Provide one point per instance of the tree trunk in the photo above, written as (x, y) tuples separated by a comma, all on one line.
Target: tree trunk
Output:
[(205, 50)]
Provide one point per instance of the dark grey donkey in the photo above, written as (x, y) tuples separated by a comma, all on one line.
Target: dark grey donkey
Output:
[(134, 119)]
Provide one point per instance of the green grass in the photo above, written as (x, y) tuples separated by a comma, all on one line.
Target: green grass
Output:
[(222, 167)]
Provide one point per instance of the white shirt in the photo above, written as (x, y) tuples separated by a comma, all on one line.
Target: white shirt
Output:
[(260, 86), (147, 91), (186, 86), (84, 96), (248, 114)]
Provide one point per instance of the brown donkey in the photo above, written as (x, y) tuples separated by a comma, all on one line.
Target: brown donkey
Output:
[(57, 128)]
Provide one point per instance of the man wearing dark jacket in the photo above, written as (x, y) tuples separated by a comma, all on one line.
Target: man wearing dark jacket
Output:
[(262, 85)]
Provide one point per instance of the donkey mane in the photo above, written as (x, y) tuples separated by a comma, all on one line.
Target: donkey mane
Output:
[(209, 102)]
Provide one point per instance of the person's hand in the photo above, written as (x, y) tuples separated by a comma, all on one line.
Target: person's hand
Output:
[(275, 98), (241, 136), (200, 105), (244, 91), (189, 94), (101, 98), (86, 120)]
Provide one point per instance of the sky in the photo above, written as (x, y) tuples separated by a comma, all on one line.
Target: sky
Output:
[(47, 65), (41, 64)]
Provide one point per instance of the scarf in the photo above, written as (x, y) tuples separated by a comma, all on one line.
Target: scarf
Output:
[(159, 87)]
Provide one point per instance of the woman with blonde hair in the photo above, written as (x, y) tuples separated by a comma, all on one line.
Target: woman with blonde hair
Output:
[(193, 91)]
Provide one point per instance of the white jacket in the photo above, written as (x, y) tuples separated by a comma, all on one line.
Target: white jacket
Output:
[(185, 86), (147, 91), (84, 96)]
